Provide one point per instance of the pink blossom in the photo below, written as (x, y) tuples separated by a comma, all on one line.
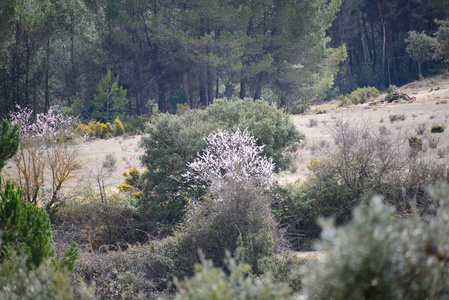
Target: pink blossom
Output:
[(47, 124)]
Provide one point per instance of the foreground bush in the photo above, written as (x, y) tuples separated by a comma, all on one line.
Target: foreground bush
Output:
[(215, 283), (381, 256), (23, 227), (173, 141), (18, 281)]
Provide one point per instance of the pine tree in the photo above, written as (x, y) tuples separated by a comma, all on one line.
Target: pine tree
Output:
[(110, 99), (9, 142)]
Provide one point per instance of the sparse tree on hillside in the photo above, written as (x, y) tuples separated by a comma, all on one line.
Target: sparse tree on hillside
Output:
[(421, 48)]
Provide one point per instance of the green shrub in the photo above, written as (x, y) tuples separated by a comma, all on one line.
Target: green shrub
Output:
[(240, 219), (359, 96), (381, 256), (173, 141), (18, 281), (23, 227), (284, 269), (136, 124), (9, 142), (214, 283), (415, 143), (140, 272), (437, 128)]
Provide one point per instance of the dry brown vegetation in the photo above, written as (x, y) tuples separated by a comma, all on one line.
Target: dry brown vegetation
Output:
[(431, 107)]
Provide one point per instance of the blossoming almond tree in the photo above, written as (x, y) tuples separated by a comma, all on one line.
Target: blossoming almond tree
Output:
[(44, 146), (231, 158), (236, 211)]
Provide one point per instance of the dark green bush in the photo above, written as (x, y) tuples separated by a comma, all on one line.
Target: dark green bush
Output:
[(23, 227), (9, 142), (415, 143), (379, 255), (173, 141), (437, 128)]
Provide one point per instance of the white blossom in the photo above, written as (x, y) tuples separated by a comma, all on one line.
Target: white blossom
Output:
[(231, 158)]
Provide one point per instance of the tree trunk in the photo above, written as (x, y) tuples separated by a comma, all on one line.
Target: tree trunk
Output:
[(229, 91), (382, 21), (217, 86), (72, 61), (161, 97), (210, 87), (47, 76), (242, 89), (27, 71), (185, 87), (203, 87), (258, 92)]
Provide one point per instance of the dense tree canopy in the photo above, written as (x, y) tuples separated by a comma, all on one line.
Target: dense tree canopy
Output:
[(165, 52), (170, 52)]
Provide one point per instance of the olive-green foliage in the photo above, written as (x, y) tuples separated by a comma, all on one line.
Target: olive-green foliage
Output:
[(363, 163), (379, 255), (359, 96), (18, 281), (140, 272), (173, 141), (210, 282), (24, 227), (415, 142), (9, 142), (241, 218), (420, 47), (284, 269), (136, 124), (436, 128), (442, 36)]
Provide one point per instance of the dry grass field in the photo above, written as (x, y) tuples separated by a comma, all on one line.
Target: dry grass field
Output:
[(431, 107)]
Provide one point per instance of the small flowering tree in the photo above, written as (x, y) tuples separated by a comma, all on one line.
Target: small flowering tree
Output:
[(231, 158), (236, 211), (44, 145)]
